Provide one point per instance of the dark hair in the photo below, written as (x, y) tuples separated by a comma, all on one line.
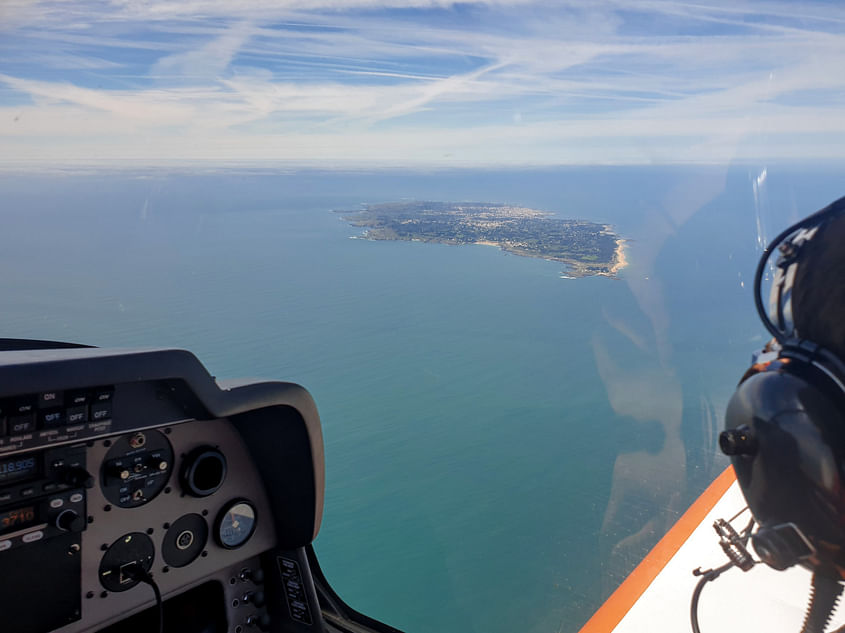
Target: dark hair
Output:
[(818, 294)]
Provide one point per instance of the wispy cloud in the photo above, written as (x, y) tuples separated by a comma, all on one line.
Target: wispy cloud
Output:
[(488, 82), (207, 61)]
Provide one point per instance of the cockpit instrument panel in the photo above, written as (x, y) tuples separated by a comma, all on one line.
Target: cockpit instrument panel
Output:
[(133, 484)]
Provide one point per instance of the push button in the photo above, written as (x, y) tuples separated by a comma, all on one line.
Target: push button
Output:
[(21, 417), (18, 424), (100, 411), (51, 418), (75, 415), (77, 399), (50, 399), (104, 395), (24, 406), (31, 537)]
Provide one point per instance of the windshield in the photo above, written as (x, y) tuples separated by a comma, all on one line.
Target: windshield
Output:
[(522, 368)]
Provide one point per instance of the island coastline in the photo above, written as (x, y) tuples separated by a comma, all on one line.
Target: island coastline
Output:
[(584, 247), (620, 258)]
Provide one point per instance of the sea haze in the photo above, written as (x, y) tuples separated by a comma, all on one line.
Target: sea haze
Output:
[(502, 445)]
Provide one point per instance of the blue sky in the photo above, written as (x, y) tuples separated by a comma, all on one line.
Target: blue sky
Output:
[(363, 82)]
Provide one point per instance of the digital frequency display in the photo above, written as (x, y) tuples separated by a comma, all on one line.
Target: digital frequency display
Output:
[(17, 518), (17, 468)]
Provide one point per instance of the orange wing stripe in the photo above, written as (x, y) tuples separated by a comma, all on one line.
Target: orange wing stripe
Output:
[(620, 602)]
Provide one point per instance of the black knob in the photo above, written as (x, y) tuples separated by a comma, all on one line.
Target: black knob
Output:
[(77, 477), (256, 576), (70, 521), (738, 441), (261, 621), (255, 597)]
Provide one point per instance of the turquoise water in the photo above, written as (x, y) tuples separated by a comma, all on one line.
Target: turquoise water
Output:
[(502, 445)]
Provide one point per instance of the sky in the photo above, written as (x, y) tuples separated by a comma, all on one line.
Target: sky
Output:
[(422, 82)]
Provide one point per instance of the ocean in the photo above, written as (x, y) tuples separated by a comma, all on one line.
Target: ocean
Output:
[(502, 445)]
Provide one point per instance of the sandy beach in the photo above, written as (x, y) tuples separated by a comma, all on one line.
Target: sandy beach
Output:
[(619, 257)]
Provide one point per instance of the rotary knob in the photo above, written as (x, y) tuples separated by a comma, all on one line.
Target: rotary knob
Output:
[(255, 598), (262, 621), (70, 521), (256, 576)]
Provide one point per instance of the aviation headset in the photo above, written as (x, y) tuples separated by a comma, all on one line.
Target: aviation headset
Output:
[(785, 424)]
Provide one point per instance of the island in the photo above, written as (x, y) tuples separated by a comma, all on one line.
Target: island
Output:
[(586, 248)]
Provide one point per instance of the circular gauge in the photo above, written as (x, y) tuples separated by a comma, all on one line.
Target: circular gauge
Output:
[(236, 523)]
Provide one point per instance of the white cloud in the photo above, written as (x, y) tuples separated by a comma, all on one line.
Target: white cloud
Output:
[(207, 61), (590, 82)]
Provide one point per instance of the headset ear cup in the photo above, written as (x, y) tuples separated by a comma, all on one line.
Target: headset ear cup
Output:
[(791, 467)]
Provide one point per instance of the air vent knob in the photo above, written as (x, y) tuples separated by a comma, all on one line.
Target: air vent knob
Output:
[(203, 471)]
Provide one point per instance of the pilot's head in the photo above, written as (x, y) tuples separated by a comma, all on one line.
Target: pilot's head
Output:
[(818, 294), (785, 425)]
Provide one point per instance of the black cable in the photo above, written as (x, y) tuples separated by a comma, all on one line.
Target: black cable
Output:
[(713, 574), (761, 268), (706, 576), (137, 572), (817, 218), (736, 516)]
